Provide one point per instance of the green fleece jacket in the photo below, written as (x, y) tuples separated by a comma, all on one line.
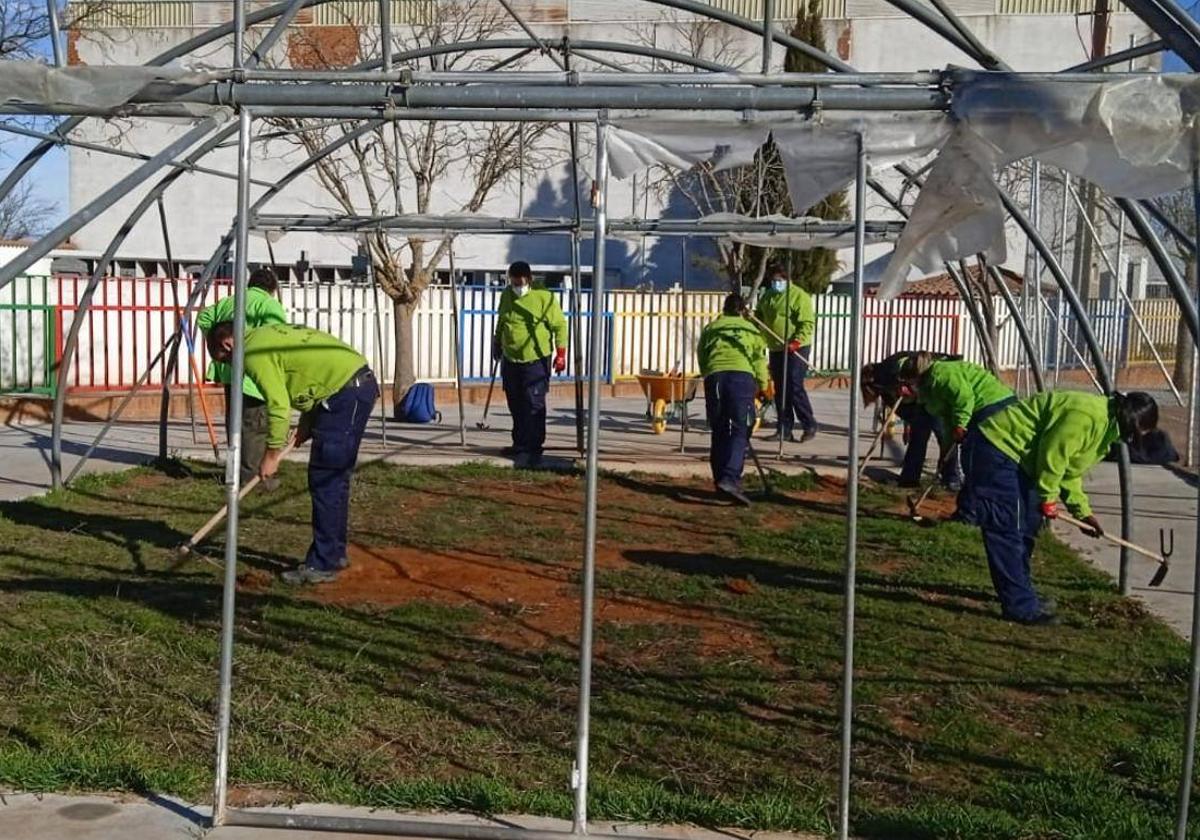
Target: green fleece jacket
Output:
[(530, 327), (262, 308), (1056, 437), (296, 367), (789, 314), (733, 343), (954, 391)]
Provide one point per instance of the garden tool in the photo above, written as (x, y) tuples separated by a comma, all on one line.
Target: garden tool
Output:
[(487, 404), (185, 551), (887, 421), (1161, 559)]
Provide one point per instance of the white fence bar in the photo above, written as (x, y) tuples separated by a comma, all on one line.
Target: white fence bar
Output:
[(133, 316)]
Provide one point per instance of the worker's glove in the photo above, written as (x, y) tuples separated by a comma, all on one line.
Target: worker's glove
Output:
[(497, 350), (960, 434), (794, 345), (1097, 530), (1050, 510), (560, 360)]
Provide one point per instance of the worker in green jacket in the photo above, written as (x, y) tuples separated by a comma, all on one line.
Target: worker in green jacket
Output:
[(330, 384), (960, 395), (1026, 458), (733, 362), (786, 311), (530, 341), (262, 308)]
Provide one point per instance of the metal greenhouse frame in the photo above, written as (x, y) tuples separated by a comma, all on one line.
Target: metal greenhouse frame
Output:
[(382, 89)]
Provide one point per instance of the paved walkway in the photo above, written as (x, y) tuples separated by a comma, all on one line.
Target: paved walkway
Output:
[(54, 817)]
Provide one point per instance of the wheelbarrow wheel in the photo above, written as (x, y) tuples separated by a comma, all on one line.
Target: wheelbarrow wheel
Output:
[(658, 417)]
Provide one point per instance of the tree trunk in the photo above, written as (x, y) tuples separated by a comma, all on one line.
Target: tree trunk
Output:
[(1182, 374), (404, 373)]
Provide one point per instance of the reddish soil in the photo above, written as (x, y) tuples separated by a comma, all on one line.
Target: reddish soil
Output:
[(528, 605)]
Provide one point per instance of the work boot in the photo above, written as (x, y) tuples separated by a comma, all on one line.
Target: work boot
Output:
[(1042, 619), (734, 492), (773, 437), (306, 574), (521, 460), (808, 435)]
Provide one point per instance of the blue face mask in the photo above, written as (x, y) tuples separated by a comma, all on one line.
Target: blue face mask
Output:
[(779, 285)]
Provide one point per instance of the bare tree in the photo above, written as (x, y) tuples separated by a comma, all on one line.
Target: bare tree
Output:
[(1179, 209), (25, 24), (415, 167), (25, 214)]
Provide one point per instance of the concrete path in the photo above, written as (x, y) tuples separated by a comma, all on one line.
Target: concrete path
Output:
[(54, 817)]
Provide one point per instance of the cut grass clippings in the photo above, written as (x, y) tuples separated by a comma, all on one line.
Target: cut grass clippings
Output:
[(719, 647)]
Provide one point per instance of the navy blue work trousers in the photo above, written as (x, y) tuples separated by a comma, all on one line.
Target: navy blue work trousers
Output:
[(337, 427), (1004, 503), (799, 407), (729, 404), (525, 387), (921, 425)]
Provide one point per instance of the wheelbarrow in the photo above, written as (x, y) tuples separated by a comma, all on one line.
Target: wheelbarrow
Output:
[(666, 395)]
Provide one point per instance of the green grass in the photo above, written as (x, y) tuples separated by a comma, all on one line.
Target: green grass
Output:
[(717, 706)]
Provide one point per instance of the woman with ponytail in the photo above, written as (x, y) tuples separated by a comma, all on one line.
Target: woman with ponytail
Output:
[(1023, 461)]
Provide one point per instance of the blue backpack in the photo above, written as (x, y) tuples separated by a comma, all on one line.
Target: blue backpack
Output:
[(417, 405)]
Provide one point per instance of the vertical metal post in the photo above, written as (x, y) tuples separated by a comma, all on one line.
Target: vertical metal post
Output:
[(683, 344), (55, 35), (233, 472), (784, 405), (595, 363), (847, 715), (768, 32), (1189, 742), (1058, 305), (1193, 388), (239, 34), (164, 411), (379, 354), (1119, 295), (1031, 310), (455, 332), (577, 339)]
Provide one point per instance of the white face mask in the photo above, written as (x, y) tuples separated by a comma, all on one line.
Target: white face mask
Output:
[(521, 291), (779, 285)]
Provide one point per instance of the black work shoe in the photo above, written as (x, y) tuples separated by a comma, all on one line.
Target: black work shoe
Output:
[(522, 460), (306, 574), (808, 435), (1042, 619), (774, 436), (734, 492)]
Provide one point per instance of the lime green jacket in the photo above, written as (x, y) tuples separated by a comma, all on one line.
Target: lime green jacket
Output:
[(789, 314), (954, 391), (530, 327), (1056, 437), (296, 367), (733, 343), (262, 308)]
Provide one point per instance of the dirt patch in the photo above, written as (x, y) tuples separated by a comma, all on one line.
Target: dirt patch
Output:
[(255, 580), (527, 605)]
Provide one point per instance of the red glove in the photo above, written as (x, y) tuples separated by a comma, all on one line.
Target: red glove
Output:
[(794, 345), (560, 360), (1050, 510), (960, 434)]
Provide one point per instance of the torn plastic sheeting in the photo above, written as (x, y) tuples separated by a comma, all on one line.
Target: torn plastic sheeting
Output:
[(1134, 138), (34, 83), (820, 158), (638, 144)]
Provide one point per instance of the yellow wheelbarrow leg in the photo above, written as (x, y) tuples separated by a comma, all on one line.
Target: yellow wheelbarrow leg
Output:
[(658, 416)]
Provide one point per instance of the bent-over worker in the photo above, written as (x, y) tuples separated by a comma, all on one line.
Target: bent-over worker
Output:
[(332, 386), (888, 379), (960, 395), (530, 340), (787, 311), (1023, 460), (262, 308), (733, 362)]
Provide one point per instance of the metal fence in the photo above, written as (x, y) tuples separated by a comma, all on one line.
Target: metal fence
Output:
[(131, 318)]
